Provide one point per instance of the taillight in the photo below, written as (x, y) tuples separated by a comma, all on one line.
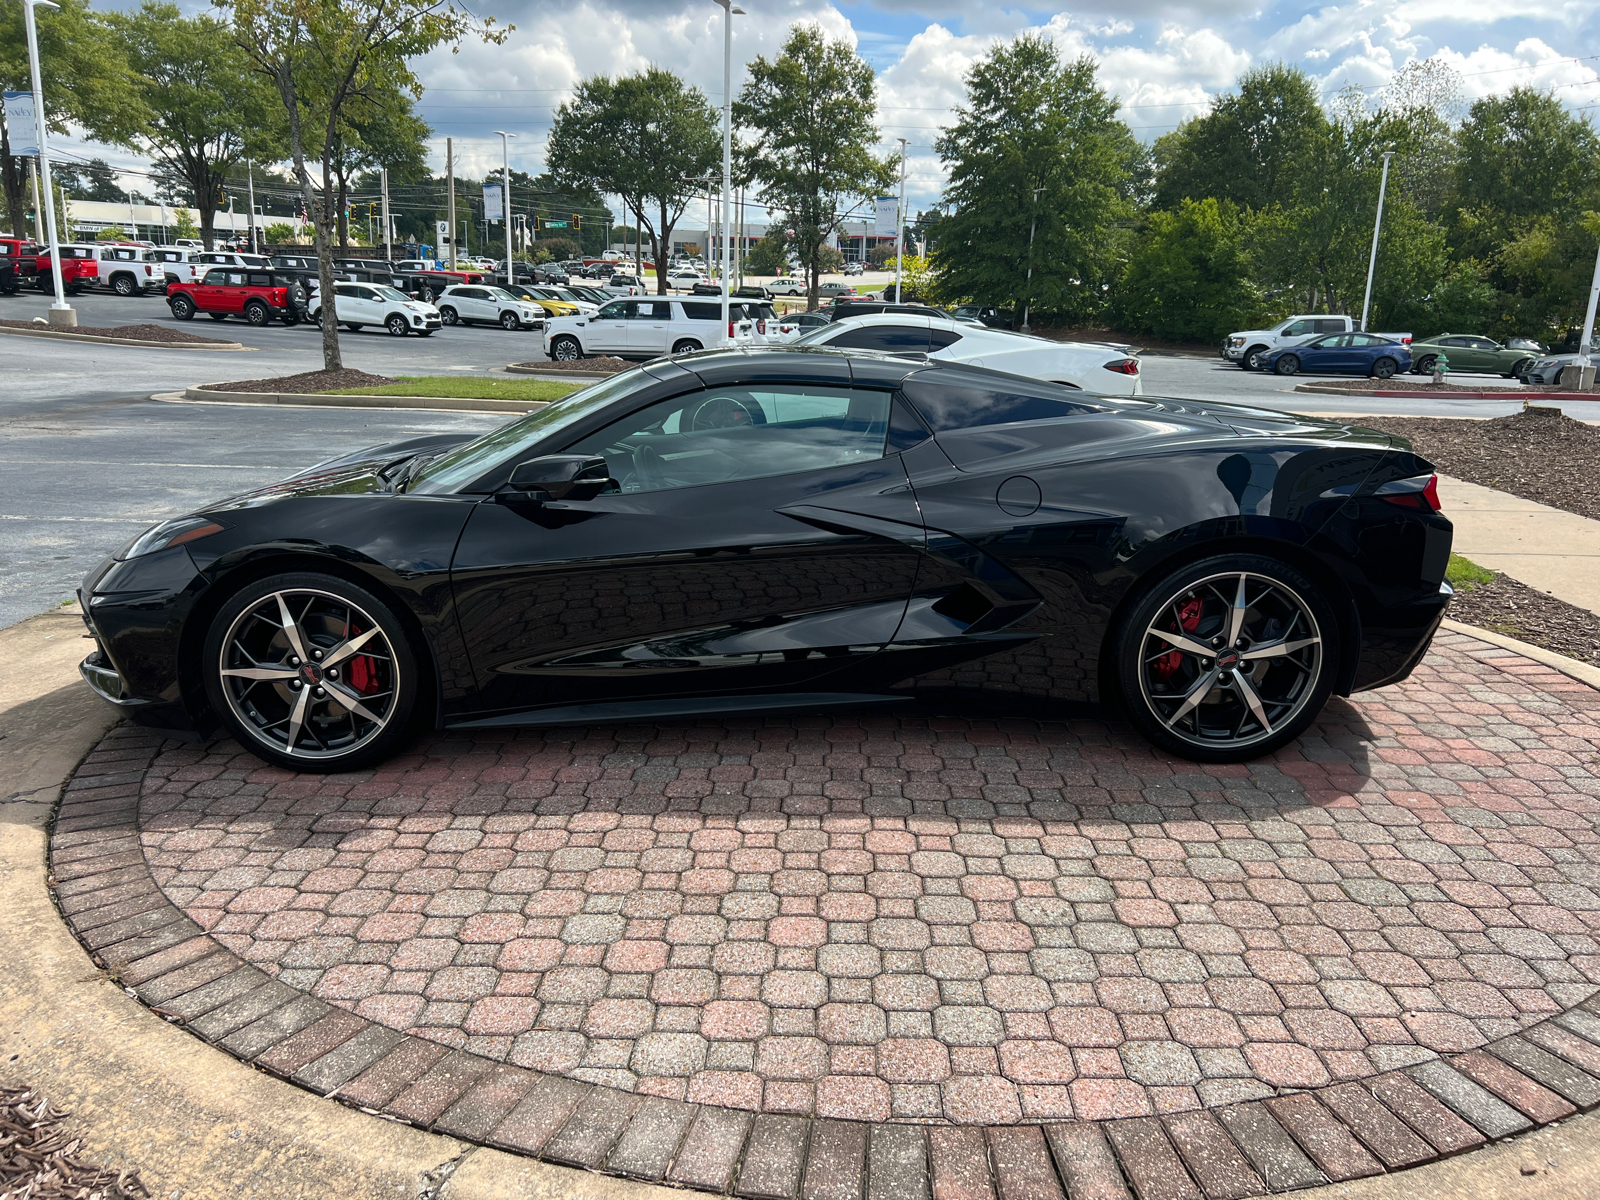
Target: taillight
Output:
[(1420, 492), (761, 326), (1124, 366), (730, 329)]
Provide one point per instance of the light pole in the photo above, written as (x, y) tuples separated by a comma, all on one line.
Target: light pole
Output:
[(1027, 292), (1377, 224), (900, 225), (250, 182), (61, 313), (729, 9), (505, 201)]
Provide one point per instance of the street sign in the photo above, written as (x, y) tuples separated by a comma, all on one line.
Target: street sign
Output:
[(492, 207), (553, 224), (21, 124)]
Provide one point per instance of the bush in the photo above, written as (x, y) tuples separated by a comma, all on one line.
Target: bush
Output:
[(112, 233), (279, 234), (1188, 276), (880, 255), (559, 249), (769, 256)]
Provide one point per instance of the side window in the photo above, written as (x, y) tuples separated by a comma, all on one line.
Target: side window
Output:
[(895, 339), (343, 289), (216, 278), (730, 433), (655, 310), (1300, 328), (1334, 343), (259, 279), (1484, 344), (366, 293), (236, 278), (702, 312), (938, 339), (950, 406), (1330, 326), (617, 311)]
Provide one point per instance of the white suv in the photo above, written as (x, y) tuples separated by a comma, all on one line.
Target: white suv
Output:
[(641, 328), (467, 303), (361, 304), (787, 286)]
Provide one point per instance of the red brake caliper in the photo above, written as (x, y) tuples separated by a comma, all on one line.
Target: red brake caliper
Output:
[(1188, 620), (363, 671)]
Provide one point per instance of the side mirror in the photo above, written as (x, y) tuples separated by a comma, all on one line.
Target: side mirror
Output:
[(556, 477)]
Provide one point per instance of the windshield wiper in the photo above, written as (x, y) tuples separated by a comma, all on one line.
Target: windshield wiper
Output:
[(412, 469)]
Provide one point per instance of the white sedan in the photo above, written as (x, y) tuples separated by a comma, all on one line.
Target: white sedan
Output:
[(1082, 365), (361, 304)]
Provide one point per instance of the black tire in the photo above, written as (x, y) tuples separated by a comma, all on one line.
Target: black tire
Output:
[(257, 314), (566, 349), (424, 333), (1384, 368), (1424, 365), (1250, 360), (353, 327), (124, 285), (397, 325), (1159, 690), (510, 321), (1520, 368), (182, 307), (686, 346), (1288, 364), (449, 315), (291, 319), (315, 602), (218, 316)]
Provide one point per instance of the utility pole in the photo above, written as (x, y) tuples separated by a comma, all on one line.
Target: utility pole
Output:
[(388, 239), (38, 213), (1586, 344), (900, 226), (728, 10), (1027, 293), (61, 313), (505, 201), (1377, 224), (250, 178), (450, 184)]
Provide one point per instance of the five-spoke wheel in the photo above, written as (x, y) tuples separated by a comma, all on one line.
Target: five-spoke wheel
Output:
[(1227, 659), (311, 672)]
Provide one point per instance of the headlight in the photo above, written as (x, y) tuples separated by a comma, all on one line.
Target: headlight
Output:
[(168, 534)]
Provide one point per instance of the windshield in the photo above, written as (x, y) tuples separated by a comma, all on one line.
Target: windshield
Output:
[(502, 294), (815, 336), (389, 293), (453, 471)]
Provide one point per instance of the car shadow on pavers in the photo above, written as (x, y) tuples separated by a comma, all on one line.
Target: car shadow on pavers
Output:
[(857, 955)]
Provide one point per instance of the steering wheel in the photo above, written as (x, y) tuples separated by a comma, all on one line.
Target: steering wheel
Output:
[(649, 469), (725, 412)]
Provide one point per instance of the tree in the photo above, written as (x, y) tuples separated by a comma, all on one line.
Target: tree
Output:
[(811, 110), (208, 109), (1037, 141), (556, 249), (1255, 147), (279, 234), (324, 58), (769, 256), (94, 180), (111, 233), (650, 138), (183, 225), (380, 131), (1188, 277), (86, 79)]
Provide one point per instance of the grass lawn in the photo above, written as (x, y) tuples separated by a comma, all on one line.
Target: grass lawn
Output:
[(467, 387), (1463, 574)]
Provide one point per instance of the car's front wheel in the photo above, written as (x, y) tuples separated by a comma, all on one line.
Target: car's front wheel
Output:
[(182, 307), (397, 325), (1226, 659), (510, 320), (311, 672), (566, 349), (1250, 360), (1521, 367), (1288, 364)]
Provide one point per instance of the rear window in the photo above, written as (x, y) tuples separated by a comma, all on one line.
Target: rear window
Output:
[(951, 405), (260, 280)]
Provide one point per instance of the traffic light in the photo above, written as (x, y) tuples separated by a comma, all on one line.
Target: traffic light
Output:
[(355, 210), (577, 221), (372, 208)]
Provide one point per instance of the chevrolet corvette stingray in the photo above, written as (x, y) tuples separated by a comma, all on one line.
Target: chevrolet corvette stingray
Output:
[(764, 530)]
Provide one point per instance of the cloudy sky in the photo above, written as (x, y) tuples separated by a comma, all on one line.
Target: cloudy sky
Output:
[(1164, 61)]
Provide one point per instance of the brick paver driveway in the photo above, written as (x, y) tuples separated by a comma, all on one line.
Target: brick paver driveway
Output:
[(931, 917)]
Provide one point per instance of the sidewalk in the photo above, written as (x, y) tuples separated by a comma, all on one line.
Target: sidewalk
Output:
[(1546, 548)]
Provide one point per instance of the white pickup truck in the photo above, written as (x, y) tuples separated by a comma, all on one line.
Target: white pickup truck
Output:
[(1247, 348)]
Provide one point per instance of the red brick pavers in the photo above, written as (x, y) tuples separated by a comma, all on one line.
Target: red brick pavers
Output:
[(943, 918)]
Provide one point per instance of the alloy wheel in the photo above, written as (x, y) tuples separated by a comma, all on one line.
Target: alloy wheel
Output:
[(1230, 660), (310, 674)]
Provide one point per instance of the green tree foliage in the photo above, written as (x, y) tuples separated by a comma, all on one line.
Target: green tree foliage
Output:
[(1189, 277), (646, 137), (93, 180), (183, 225), (810, 114), (382, 130), (556, 249), (1038, 139), (280, 233), (769, 256), (86, 79)]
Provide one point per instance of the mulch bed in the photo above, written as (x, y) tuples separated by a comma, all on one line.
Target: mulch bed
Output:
[(1517, 610), (1540, 454), (584, 366), (141, 333), (1363, 387), (38, 1158), (303, 384)]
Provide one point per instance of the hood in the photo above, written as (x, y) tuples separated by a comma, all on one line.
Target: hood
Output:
[(354, 473)]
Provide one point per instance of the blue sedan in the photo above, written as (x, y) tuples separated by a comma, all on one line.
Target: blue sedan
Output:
[(1342, 354)]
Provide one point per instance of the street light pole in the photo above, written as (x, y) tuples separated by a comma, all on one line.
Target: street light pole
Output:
[(505, 201), (61, 313), (450, 203), (250, 182), (900, 225), (1377, 224), (728, 11), (1586, 345), (388, 229), (1027, 293)]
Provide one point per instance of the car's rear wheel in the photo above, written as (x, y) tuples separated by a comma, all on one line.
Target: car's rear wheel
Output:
[(1226, 659), (124, 285), (686, 346), (397, 325), (449, 315), (1288, 364), (311, 672), (257, 314), (1384, 368), (182, 307), (566, 349), (510, 320), (1425, 364)]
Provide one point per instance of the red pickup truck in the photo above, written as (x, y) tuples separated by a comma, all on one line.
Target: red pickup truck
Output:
[(17, 264), (80, 267), (260, 297)]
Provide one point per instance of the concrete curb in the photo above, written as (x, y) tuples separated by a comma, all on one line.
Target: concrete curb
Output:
[(314, 400), (106, 341), (1322, 389), (590, 377), (1569, 667)]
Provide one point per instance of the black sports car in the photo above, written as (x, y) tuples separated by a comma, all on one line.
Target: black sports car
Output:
[(735, 531)]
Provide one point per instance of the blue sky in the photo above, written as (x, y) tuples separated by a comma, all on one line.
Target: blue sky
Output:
[(1164, 61)]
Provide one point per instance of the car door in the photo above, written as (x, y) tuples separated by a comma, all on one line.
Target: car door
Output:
[(236, 292), (762, 540), (208, 290), (607, 331), (1331, 353), (1485, 355), (650, 331)]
